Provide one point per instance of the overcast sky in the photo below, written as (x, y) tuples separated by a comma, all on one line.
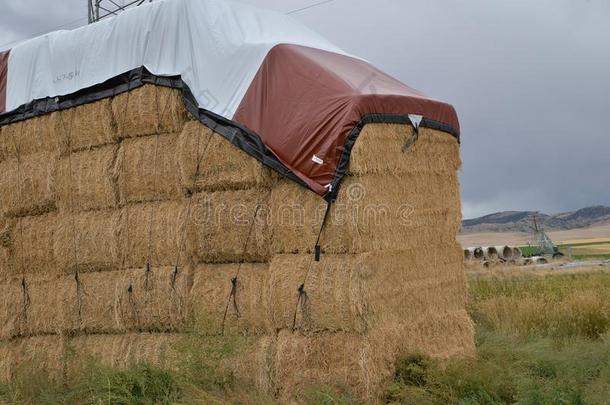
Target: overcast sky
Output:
[(530, 80)]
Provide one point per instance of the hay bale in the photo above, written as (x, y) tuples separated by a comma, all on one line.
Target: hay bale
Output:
[(149, 110), (87, 241), (85, 180), (45, 354), (378, 150), (84, 127), (246, 310), (372, 212), (133, 300), (329, 359), (32, 245), (147, 169), (334, 298), (124, 350), (209, 162), (153, 233), (229, 226), (28, 137), (11, 308), (28, 185), (51, 305)]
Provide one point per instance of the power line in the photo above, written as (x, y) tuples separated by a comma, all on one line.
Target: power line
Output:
[(298, 10), (43, 32)]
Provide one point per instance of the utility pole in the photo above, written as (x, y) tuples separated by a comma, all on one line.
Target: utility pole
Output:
[(100, 9)]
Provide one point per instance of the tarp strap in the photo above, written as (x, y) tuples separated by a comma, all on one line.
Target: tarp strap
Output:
[(416, 122), (302, 298), (317, 249)]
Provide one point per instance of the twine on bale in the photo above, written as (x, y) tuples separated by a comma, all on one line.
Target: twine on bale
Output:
[(18, 154), (234, 280), (68, 133), (190, 201), (302, 298)]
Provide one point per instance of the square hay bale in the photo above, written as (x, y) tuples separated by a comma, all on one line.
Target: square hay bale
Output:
[(209, 162), (12, 308), (372, 212), (84, 127), (32, 245), (154, 233), (28, 137), (329, 359), (379, 150), (42, 353), (134, 300), (125, 350), (87, 241), (246, 309), (149, 110), (229, 226), (147, 169), (156, 299), (86, 181), (28, 185), (51, 305), (334, 297), (441, 335)]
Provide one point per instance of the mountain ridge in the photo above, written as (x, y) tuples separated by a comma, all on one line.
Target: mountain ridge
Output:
[(522, 221)]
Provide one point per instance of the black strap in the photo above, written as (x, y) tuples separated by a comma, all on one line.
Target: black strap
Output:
[(318, 249)]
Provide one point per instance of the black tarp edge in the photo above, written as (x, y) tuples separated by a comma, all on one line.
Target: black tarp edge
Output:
[(238, 135)]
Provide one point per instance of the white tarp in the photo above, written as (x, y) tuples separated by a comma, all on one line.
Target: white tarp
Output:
[(217, 46)]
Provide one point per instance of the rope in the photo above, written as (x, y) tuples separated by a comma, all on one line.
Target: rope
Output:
[(235, 279), (68, 133), (19, 190), (411, 140), (302, 298), (155, 173), (190, 199)]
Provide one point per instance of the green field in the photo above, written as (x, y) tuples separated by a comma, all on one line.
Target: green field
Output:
[(541, 339)]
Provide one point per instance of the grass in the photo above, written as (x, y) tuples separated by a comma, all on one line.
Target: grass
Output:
[(542, 338)]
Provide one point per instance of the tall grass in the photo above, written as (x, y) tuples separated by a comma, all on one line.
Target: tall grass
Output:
[(540, 340)]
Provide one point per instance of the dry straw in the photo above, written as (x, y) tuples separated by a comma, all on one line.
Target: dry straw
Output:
[(147, 169), (42, 353), (85, 180), (28, 185), (220, 307), (29, 137), (329, 359), (125, 350), (372, 212), (379, 150), (333, 299), (84, 127), (209, 162), (32, 245), (51, 305), (12, 309), (149, 110), (87, 241), (153, 233), (229, 226)]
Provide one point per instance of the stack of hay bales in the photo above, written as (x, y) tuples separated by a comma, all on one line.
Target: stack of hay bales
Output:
[(128, 223)]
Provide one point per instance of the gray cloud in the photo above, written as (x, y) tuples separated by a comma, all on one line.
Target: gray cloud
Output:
[(530, 81)]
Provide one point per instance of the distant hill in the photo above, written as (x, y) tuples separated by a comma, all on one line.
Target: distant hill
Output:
[(521, 221)]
